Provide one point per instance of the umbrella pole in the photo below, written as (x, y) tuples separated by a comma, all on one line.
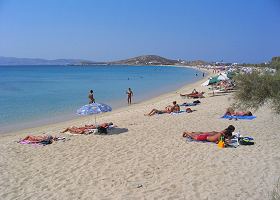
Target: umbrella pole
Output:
[(95, 120)]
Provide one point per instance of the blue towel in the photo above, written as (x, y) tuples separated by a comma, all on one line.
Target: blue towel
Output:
[(176, 113), (189, 104), (238, 117)]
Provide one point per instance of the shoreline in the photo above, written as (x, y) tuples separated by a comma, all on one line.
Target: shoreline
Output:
[(70, 117)]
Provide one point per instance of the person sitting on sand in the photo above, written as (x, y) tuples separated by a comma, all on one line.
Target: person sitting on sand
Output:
[(86, 129), (212, 136), (175, 107), (230, 111), (194, 91), (168, 109)]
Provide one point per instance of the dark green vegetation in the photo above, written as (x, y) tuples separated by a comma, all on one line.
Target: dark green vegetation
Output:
[(275, 63), (257, 89)]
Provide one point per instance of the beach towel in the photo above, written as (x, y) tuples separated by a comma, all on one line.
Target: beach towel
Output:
[(238, 117), (37, 140), (188, 104), (233, 142), (177, 113), (189, 139)]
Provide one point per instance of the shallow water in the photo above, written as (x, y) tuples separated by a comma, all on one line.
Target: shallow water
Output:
[(43, 94)]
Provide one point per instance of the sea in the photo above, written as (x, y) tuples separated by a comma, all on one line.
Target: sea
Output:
[(32, 96)]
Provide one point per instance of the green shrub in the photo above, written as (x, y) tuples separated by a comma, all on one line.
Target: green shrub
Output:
[(254, 90)]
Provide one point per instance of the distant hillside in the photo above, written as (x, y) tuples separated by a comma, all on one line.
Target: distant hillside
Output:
[(146, 60), (39, 61), (195, 63), (140, 60)]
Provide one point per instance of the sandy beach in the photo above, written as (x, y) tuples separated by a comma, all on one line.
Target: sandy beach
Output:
[(146, 157)]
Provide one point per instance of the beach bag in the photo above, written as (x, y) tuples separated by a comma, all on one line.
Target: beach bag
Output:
[(197, 101), (47, 141), (102, 130), (246, 141)]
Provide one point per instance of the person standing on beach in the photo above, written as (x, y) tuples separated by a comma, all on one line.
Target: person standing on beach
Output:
[(129, 95), (90, 96)]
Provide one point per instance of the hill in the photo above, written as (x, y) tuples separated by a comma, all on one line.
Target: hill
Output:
[(39, 61), (145, 60)]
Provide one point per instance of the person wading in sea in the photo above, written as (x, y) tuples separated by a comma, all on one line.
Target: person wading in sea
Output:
[(90, 96), (129, 95)]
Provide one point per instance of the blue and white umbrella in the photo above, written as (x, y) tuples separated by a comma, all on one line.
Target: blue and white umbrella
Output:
[(93, 109)]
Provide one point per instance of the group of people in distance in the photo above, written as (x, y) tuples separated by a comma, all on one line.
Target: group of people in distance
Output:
[(211, 136)]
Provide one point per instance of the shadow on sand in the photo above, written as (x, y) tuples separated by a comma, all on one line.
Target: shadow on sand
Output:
[(114, 131)]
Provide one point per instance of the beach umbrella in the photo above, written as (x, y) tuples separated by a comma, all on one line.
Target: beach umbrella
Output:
[(93, 109), (205, 83), (210, 81), (222, 77), (214, 80)]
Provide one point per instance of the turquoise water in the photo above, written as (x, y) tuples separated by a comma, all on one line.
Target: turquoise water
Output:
[(34, 95)]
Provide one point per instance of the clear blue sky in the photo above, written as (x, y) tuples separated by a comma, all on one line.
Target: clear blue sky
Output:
[(102, 30)]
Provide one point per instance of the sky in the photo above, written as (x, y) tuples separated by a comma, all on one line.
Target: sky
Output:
[(106, 30)]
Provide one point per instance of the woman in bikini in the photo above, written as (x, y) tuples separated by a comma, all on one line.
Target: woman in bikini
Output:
[(85, 129), (212, 136)]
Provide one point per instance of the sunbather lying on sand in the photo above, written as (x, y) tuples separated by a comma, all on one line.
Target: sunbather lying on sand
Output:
[(45, 139), (212, 136), (194, 94), (86, 129), (230, 111), (168, 109)]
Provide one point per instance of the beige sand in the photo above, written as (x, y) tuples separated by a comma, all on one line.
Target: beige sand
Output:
[(149, 161)]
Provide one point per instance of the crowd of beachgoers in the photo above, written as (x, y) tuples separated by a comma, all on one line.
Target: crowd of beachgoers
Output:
[(237, 68), (221, 83)]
